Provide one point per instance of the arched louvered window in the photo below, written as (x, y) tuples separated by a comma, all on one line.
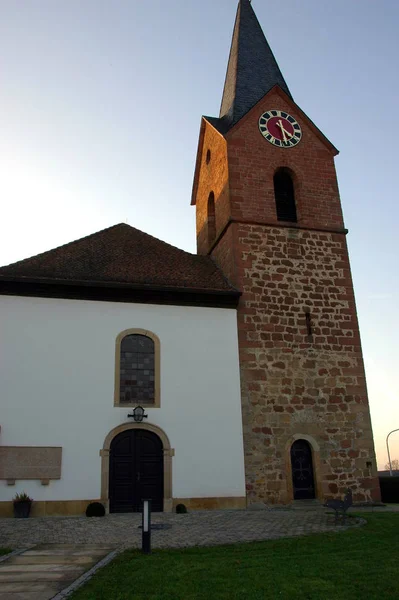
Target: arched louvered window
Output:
[(211, 219), (137, 368), (285, 196)]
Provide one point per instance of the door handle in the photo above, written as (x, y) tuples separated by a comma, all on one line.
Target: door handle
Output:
[(138, 476)]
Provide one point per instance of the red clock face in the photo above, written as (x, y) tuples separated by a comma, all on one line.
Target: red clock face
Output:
[(280, 129), (277, 126)]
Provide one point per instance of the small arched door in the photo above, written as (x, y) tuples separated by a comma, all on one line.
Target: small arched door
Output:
[(302, 470), (135, 471)]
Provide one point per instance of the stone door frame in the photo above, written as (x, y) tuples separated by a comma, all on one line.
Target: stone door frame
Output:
[(315, 449), (168, 453)]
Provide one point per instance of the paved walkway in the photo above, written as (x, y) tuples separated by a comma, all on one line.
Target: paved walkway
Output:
[(60, 550), (40, 573), (202, 528)]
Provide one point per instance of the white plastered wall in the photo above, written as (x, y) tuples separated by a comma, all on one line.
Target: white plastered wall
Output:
[(57, 362)]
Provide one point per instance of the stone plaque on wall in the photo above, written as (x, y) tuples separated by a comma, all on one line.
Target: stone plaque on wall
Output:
[(30, 462)]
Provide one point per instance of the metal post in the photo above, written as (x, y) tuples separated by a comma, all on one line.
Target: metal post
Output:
[(389, 456), (146, 534)]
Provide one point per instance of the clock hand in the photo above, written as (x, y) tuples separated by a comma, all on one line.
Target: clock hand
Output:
[(279, 123), (290, 135), (284, 131)]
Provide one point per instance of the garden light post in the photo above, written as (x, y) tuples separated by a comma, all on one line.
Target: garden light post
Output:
[(146, 531), (389, 456)]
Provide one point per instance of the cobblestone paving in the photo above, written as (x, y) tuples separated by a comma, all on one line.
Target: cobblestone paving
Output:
[(200, 528)]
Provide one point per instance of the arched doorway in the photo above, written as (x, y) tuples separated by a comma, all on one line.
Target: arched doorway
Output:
[(302, 470), (135, 471)]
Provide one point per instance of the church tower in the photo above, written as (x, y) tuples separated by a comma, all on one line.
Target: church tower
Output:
[(268, 212)]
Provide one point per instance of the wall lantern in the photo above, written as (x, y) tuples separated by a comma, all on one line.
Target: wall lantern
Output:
[(138, 414)]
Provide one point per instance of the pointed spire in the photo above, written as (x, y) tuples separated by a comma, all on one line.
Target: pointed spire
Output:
[(252, 69)]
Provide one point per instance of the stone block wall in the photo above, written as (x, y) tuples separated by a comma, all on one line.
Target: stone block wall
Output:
[(296, 383)]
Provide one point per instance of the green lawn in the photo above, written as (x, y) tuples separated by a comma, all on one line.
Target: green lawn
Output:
[(4, 551), (358, 564)]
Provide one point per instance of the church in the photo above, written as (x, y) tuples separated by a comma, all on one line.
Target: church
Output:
[(131, 369)]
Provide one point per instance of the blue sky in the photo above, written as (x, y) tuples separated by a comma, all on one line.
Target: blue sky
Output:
[(100, 105)]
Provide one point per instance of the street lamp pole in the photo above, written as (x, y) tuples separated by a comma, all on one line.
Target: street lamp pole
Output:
[(389, 456)]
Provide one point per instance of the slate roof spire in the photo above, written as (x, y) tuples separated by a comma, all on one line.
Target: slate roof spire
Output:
[(252, 69)]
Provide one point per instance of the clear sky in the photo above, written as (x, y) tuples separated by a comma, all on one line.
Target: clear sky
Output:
[(100, 106)]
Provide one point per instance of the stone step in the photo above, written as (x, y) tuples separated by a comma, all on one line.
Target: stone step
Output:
[(59, 551), (21, 586), (34, 577), (52, 560), (43, 571), (307, 505), (54, 546), (43, 595), (6, 567)]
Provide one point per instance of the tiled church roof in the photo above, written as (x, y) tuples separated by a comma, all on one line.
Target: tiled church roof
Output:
[(122, 255)]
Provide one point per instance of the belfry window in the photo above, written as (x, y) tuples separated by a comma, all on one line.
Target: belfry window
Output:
[(137, 368), (211, 219), (285, 196)]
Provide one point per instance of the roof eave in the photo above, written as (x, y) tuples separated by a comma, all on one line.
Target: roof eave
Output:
[(117, 291), (285, 96), (113, 284), (312, 125)]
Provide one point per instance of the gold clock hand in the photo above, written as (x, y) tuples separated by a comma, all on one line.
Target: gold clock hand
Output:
[(279, 123), (284, 131), (288, 133)]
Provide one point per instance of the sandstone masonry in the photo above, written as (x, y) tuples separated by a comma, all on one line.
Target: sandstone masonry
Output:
[(302, 373)]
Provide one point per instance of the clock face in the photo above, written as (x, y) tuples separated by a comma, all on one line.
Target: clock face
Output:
[(280, 129)]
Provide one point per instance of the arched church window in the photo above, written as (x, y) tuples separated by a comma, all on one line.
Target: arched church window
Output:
[(211, 219), (137, 368), (284, 194)]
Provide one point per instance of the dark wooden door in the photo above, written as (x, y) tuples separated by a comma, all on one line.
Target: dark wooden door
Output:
[(302, 470), (136, 471)]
